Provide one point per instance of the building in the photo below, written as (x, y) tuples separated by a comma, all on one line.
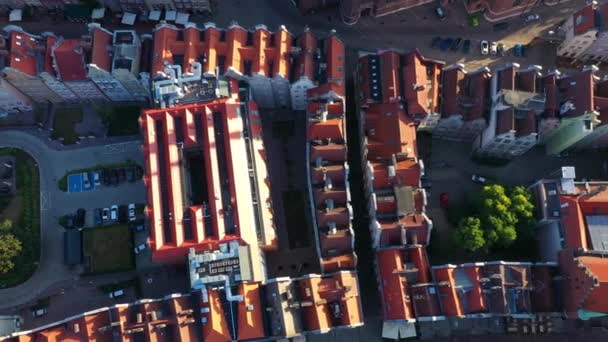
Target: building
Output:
[(115, 64), (517, 103), (571, 112), (496, 10), (198, 153), (30, 64), (572, 228), (585, 35), (465, 103)]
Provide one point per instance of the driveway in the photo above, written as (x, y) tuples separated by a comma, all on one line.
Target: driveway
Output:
[(53, 165)]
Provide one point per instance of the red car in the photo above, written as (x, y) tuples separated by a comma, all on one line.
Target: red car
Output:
[(443, 200)]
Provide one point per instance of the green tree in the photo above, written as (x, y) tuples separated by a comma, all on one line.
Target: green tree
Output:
[(10, 247), (470, 235), (498, 219), (6, 226), (521, 201)]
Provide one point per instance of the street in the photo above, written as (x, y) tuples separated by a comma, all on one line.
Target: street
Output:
[(54, 203)]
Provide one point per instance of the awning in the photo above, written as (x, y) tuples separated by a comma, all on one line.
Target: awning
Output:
[(98, 13), (170, 15), (128, 18), (16, 15), (154, 15), (182, 18)]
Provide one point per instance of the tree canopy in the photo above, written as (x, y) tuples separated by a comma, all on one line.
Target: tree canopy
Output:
[(498, 217), (10, 247)]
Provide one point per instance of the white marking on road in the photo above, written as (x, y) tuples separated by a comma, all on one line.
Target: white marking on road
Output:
[(122, 147), (45, 200)]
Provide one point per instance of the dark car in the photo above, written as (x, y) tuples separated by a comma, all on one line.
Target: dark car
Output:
[(466, 46), (440, 12), (518, 50), (501, 49), (137, 226), (131, 175), (501, 27), (114, 177), (97, 216), (80, 213), (456, 45), (446, 43), (123, 214), (524, 50), (122, 175), (105, 177), (435, 42), (426, 183)]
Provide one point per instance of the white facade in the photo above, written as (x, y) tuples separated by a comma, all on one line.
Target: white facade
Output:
[(598, 50), (12, 101), (110, 86), (574, 46)]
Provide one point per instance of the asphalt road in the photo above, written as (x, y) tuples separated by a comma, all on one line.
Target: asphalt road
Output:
[(53, 165)]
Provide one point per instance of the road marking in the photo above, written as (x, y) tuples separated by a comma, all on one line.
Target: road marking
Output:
[(122, 147), (45, 200)]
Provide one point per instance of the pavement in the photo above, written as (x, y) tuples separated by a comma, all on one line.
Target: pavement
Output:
[(53, 164)]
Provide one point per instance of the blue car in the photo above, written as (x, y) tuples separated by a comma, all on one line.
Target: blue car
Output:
[(518, 50), (446, 43)]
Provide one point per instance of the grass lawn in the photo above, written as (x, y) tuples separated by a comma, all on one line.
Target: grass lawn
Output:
[(107, 249), (24, 210), (120, 120), (64, 125)]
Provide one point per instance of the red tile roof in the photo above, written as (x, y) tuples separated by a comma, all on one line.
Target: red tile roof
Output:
[(452, 86), (421, 83), (390, 67), (450, 304), (585, 282), (394, 287), (584, 20), (69, 59), (304, 61), (23, 52), (336, 63), (100, 54)]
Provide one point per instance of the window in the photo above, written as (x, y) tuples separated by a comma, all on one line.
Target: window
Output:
[(222, 36)]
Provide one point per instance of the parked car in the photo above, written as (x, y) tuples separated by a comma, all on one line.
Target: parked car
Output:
[(501, 49), (86, 183), (484, 47), (114, 177), (97, 216), (80, 215), (532, 17), (466, 46), (440, 12), (131, 175), (122, 175), (456, 45), (117, 293), (140, 248), (435, 42), (478, 179), (96, 180), (137, 226), (105, 214), (426, 183), (443, 201), (132, 216), (123, 214), (39, 312), (105, 177), (114, 212), (446, 43), (494, 48), (517, 50)]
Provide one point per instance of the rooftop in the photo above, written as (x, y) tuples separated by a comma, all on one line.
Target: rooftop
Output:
[(68, 56)]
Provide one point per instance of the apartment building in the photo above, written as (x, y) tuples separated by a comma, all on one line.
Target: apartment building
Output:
[(465, 103), (496, 10), (115, 64), (572, 216), (517, 104), (585, 35), (12, 101)]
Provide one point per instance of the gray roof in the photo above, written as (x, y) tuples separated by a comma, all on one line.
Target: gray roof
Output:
[(597, 225)]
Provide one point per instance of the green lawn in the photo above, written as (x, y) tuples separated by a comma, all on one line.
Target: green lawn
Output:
[(64, 125), (107, 249), (120, 120), (26, 227)]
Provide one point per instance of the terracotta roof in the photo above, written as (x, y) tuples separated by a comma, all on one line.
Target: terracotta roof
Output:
[(506, 78), (585, 282), (23, 52), (452, 86), (100, 55), (395, 293), (475, 99), (390, 68), (334, 301), (450, 304), (69, 60), (584, 20), (304, 61), (577, 90), (336, 62), (421, 83), (389, 130)]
